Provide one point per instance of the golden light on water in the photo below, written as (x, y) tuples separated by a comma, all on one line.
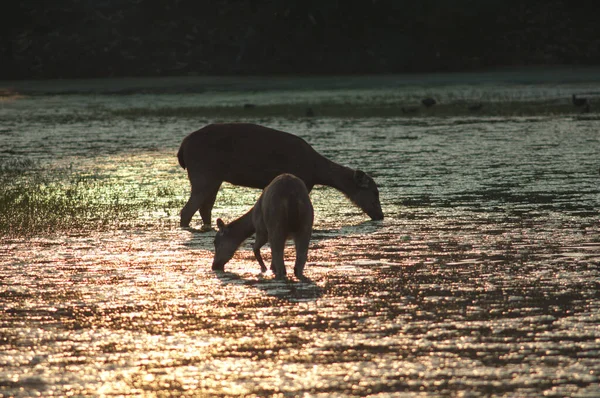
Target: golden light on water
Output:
[(481, 277)]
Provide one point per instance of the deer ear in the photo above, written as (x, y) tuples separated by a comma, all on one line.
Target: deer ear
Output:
[(361, 179), (220, 224)]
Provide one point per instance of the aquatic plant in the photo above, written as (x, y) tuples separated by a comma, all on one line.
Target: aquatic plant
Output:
[(60, 199)]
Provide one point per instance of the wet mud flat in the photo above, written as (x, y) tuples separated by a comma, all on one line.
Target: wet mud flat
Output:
[(438, 301), (483, 278), (140, 313)]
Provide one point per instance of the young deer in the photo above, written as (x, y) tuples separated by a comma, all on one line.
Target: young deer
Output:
[(282, 211), (252, 156)]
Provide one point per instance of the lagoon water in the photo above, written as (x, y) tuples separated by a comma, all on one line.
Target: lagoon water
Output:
[(483, 279)]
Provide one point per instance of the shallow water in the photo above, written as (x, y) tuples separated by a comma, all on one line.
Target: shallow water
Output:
[(482, 279)]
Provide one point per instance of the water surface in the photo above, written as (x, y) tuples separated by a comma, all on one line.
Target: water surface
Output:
[(482, 279)]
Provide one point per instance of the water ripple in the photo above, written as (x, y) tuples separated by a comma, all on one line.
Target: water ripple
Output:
[(483, 278)]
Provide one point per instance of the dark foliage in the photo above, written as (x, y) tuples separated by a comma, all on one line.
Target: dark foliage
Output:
[(98, 38)]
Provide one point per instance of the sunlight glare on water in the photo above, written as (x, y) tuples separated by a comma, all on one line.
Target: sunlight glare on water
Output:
[(482, 279)]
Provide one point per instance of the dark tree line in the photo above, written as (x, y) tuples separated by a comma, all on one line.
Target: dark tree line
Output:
[(98, 38)]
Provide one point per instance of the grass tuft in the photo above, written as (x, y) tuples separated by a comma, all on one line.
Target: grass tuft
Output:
[(37, 200)]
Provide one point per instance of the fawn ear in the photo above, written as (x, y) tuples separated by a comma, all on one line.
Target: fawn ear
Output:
[(220, 224), (361, 179)]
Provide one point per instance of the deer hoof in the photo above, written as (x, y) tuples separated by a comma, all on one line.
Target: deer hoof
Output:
[(205, 228)]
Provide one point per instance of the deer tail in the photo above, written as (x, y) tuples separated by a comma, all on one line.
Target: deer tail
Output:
[(180, 157)]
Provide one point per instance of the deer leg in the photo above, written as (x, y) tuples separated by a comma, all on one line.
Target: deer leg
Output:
[(204, 193), (277, 263), (260, 240), (207, 205), (301, 244), (192, 205)]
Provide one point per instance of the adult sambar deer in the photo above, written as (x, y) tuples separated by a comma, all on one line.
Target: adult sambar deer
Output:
[(282, 211), (252, 156)]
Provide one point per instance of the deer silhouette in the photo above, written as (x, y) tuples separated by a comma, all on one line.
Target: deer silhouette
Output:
[(282, 211), (252, 156)]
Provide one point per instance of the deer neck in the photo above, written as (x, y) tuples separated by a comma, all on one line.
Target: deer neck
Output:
[(243, 227), (335, 175)]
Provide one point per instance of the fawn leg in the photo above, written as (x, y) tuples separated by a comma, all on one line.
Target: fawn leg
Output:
[(260, 240), (301, 244), (277, 263)]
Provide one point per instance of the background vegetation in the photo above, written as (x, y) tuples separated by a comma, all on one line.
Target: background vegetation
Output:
[(101, 38)]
